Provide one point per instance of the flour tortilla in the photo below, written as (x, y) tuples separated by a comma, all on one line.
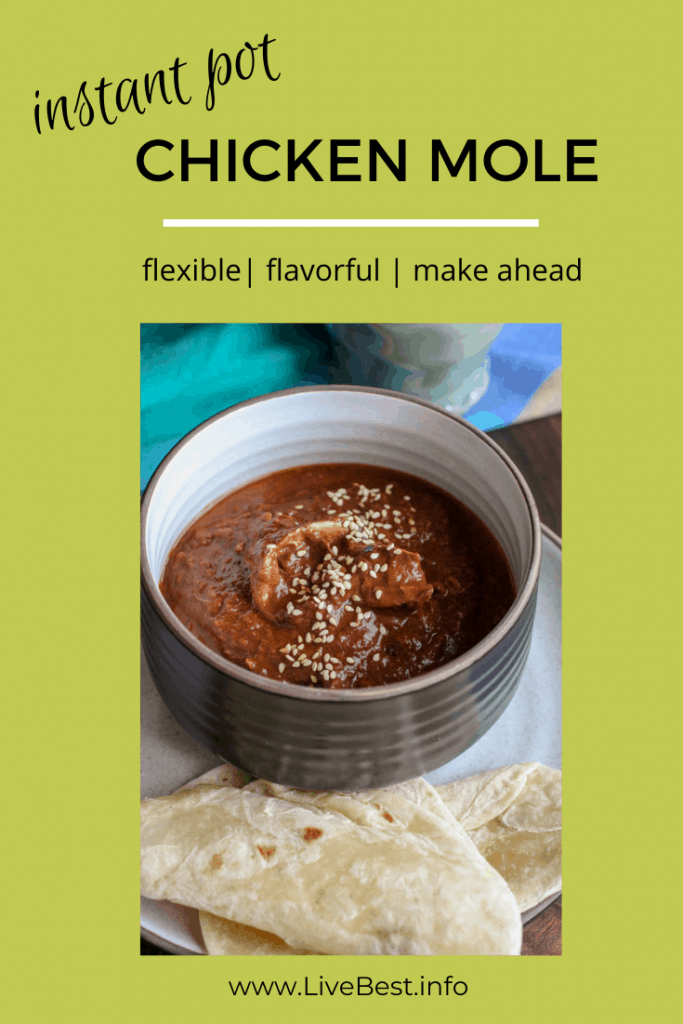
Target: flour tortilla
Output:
[(225, 938), (418, 793), (512, 814), (530, 862), (330, 872), (514, 817)]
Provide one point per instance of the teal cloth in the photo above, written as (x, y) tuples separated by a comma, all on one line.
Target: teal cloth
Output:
[(189, 372)]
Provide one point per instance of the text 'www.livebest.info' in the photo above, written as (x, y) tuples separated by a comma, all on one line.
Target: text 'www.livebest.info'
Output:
[(359, 986)]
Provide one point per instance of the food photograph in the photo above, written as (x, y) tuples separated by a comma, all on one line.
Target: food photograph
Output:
[(351, 639)]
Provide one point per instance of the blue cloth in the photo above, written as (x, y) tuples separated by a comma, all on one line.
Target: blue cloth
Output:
[(522, 357)]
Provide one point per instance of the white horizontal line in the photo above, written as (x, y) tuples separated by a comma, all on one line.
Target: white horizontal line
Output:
[(286, 222)]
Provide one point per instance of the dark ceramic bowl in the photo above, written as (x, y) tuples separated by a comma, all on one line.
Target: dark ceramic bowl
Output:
[(337, 739)]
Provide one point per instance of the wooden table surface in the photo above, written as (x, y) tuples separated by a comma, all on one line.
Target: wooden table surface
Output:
[(536, 447)]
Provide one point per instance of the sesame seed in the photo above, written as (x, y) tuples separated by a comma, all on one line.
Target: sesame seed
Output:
[(335, 551), (301, 552), (271, 546), (406, 497), (333, 674), (412, 522), (383, 630), (375, 657), (378, 594), (364, 566), (297, 611), (329, 639), (307, 662), (368, 615), (281, 667), (350, 661), (398, 551), (356, 597), (327, 558), (384, 567), (314, 679), (290, 608), (308, 638), (318, 616)]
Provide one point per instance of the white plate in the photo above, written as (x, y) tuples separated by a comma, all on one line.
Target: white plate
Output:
[(529, 730)]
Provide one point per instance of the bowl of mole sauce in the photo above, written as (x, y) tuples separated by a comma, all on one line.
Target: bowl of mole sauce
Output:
[(338, 585)]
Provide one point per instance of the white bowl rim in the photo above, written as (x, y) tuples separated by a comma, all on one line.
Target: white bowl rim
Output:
[(387, 690)]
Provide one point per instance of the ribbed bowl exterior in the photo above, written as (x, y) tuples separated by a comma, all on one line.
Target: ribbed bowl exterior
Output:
[(327, 745)]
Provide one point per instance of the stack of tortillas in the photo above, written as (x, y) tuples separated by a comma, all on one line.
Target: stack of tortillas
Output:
[(408, 870)]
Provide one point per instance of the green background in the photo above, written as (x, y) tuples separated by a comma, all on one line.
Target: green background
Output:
[(82, 220)]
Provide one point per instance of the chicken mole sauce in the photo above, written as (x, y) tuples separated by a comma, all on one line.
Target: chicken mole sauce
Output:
[(338, 576)]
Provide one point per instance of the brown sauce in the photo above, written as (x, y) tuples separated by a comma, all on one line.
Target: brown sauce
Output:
[(339, 576)]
